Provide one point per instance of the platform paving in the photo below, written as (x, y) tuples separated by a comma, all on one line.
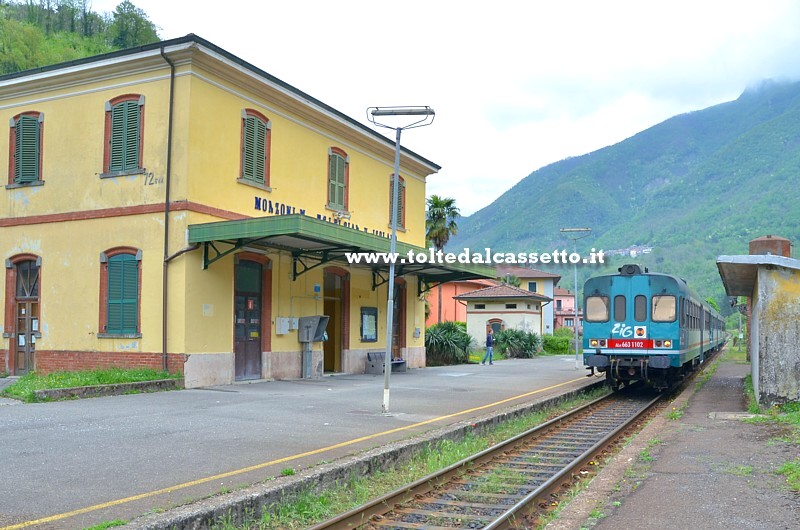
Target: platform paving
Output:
[(706, 470), (73, 464)]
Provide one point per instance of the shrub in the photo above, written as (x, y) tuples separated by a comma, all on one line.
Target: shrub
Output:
[(447, 343), (564, 332), (557, 345), (517, 343)]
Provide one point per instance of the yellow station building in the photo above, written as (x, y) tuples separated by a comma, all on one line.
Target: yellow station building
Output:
[(174, 206)]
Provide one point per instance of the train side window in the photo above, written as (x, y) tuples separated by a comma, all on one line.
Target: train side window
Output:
[(683, 312), (640, 308), (619, 308), (597, 309), (663, 308)]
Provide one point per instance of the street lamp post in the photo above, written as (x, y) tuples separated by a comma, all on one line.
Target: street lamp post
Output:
[(575, 238), (425, 116)]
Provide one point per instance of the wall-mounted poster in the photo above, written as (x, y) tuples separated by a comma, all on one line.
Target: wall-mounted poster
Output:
[(369, 324)]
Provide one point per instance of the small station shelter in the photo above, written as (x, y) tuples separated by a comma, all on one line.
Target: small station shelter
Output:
[(503, 307), (771, 281)]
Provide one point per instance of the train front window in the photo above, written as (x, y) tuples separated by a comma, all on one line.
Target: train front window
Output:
[(663, 308), (597, 309), (619, 308), (640, 308)]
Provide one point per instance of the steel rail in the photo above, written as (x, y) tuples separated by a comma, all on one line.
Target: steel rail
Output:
[(362, 515), (508, 519)]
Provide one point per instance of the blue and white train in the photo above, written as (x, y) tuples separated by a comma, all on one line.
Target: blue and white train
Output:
[(645, 326)]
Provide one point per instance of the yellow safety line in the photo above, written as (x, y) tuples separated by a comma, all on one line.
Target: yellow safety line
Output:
[(132, 498)]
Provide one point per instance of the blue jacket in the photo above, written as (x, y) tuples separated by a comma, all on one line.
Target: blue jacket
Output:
[(489, 339)]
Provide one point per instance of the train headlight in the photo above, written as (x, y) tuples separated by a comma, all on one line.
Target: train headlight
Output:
[(593, 343), (602, 343), (668, 343)]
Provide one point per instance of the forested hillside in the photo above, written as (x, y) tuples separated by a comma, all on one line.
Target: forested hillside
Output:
[(45, 32), (693, 187)]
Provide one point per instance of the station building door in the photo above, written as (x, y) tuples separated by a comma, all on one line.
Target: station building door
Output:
[(336, 297), (399, 319), (26, 315), (248, 326)]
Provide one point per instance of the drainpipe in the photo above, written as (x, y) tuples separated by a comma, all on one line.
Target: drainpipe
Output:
[(167, 179)]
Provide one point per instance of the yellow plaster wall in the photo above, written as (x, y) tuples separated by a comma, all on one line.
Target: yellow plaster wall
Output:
[(205, 165), (70, 280), (298, 164), (73, 151)]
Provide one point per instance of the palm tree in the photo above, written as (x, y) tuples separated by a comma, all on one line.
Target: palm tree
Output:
[(440, 224), (512, 280)]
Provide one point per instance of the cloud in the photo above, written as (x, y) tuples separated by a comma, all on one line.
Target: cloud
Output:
[(515, 84)]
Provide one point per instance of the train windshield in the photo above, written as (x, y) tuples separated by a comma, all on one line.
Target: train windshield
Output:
[(664, 308), (597, 309)]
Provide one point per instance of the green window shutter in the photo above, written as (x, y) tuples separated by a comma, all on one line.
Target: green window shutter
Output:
[(26, 149), (336, 173), (401, 196), (254, 150), (125, 126), (123, 294), (400, 201)]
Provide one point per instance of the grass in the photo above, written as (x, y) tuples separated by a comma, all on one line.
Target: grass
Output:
[(788, 415), (311, 507), (25, 388), (706, 375), (475, 357), (792, 472), (752, 404), (739, 471), (106, 524), (676, 413)]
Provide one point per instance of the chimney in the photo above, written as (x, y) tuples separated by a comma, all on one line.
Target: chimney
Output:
[(774, 245)]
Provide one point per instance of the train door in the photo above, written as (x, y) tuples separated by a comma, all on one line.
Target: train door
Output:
[(629, 308)]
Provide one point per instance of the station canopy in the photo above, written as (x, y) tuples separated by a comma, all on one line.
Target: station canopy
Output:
[(313, 242)]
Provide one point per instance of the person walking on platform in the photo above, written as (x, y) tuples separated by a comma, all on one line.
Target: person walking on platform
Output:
[(489, 347)]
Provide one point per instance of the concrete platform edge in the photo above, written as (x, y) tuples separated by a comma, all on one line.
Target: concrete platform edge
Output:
[(237, 506)]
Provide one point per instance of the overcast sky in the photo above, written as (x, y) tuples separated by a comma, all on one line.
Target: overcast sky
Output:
[(516, 85)]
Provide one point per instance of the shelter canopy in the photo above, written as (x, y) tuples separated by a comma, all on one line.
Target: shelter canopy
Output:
[(313, 242)]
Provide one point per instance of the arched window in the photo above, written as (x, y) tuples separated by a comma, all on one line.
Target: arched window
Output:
[(25, 141), (338, 179), (120, 292), (256, 139), (497, 324), (122, 154)]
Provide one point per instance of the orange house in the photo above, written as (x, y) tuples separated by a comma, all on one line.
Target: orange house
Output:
[(452, 309)]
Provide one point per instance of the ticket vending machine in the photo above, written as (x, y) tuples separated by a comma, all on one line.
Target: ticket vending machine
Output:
[(310, 330)]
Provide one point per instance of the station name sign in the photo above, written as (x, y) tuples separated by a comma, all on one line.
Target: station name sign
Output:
[(270, 207)]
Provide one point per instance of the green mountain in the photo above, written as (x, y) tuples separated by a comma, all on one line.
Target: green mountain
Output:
[(693, 187)]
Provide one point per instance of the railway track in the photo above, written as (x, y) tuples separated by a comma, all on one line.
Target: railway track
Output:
[(507, 485)]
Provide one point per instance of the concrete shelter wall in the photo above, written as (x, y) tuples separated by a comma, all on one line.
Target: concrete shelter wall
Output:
[(778, 335)]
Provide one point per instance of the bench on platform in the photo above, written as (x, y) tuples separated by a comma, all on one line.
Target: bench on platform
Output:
[(376, 361)]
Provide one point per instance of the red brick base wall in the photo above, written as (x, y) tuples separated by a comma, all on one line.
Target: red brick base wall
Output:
[(55, 361), (3, 357)]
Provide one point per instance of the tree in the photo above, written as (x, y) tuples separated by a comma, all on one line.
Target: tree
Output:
[(131, 27), (440, 224), (713, 303), (511, 280)]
